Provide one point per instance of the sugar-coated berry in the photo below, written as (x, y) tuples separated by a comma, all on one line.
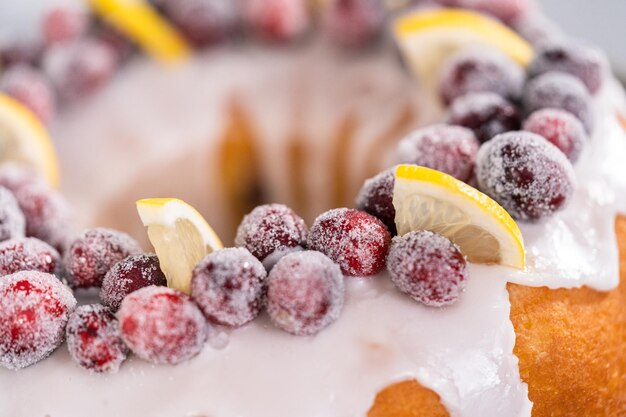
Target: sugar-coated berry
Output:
[(162, 325), (129, 275), (270, 228), (31, 88), (48, 215), (353, 23), (79, 67), (487, 114), (14, 176), (34, 309), (479, 69), (28, 254), (446, 148), (277, 20), (19, 52), (376, 198), (229, 286), (505, 10), (94, 253), (305, 293), (12, 221), (561, 128), (93, 339), (203, 22), (355, 240), (559, 90), (526, 174), (585, 63), (428, 267), (61, 24)]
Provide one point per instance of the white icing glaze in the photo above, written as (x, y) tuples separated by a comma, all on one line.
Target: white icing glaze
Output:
[(464, 352)]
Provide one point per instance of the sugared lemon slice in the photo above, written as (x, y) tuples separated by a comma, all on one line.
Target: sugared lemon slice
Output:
[(426, 199), (427, 37), (141, 23), (180, 236), (24, 139)]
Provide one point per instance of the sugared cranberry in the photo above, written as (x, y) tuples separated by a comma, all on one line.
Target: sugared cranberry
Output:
[(487, 114), (585, 63), (15, 176), (446, 148), (28, 254), (526, 174), (277, 20), (94, 253), (305, 293), (203, 22), (229, 286), (376, 198), (29, 86), (162, 325), (428, 267), (353, 23), (79, 67), (123, 47), (271, 228), (61, 24), (561, 128), (129, 275), (34, 309), (474, 70), (47, 213), (93, 339), (505, 10), (559, 90), (357, 241), (12, 221), (18, 52)]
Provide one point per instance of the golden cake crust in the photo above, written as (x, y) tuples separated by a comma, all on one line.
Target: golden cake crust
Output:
[(571, 345)]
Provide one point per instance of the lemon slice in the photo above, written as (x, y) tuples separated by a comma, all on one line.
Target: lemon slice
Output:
[(427, 37), (23, 139), (141, 23), (180, 236), (426, 199)]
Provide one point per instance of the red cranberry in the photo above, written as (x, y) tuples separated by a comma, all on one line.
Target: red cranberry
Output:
[(277, 20), (61, 24), (129, 275), (270, 228), (587, 64), (428, 267), (376, 198), (94, 253), (15, 176), (48, 216), (80, 67), (305, 293), (449, 149), (526, 174), (559, 90), (505, 10), (229, 286), (12, 221), (474, 70), (28, 254), (487, 114), (34, 309), (162, 325), (29, 86), (353, 23), (357, 241), (93, 339), (203, 22), (561, 128)]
